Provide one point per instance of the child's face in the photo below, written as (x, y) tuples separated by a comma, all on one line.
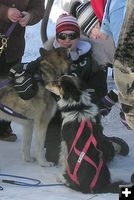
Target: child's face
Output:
[(67, 39)]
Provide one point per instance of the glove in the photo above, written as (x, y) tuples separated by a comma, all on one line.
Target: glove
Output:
[(24, 83), (30, 68), (107, 102)]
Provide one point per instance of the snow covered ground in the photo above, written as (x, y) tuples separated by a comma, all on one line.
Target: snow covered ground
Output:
[(12, 163)]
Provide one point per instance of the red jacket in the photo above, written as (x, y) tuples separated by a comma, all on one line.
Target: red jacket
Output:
[(98, 7)]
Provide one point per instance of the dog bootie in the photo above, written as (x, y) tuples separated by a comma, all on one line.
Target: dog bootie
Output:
[(120, 146), (107, 102)]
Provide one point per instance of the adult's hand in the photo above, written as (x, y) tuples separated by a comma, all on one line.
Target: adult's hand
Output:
[(14, 14), (26, 16), (97, 34)]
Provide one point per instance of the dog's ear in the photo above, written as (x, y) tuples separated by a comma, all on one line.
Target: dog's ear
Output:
[(61, 50), (43, 52), (70, 88), (53, 87)]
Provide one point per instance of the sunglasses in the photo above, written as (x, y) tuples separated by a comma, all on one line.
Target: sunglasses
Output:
[(64, 36)]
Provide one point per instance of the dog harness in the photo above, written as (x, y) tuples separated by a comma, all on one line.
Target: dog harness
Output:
[(83, 157), (9, 111), (5, 108)]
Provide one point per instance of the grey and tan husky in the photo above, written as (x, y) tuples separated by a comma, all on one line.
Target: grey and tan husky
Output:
[(38, 110)]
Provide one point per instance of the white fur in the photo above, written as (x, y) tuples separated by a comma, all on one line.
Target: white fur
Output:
[(84, 114), (63, 162)]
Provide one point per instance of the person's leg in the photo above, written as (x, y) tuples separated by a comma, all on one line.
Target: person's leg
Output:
[(123, 65), (124, 81), (6, 133)]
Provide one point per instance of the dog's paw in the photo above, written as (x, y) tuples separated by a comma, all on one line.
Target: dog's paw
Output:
[(45, 163), (61, 179), (29, 159)]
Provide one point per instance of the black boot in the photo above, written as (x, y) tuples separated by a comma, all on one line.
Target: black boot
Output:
[(6, 133), (120, 146)]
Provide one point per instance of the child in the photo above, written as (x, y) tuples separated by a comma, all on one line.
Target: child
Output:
[(89, 17), (124, 56)]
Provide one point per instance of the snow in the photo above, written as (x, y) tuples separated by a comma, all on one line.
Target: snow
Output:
[(12, 163)]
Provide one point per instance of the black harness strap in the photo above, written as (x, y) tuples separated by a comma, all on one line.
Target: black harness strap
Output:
[(9, 111)]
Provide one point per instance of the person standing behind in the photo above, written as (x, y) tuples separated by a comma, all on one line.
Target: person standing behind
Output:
[(113, 19), (118, 22), (27, 12)]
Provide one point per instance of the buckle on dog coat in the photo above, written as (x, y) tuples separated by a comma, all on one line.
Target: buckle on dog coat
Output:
[(82, 156)]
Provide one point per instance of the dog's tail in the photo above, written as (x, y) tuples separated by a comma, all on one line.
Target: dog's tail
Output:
[(113, 187), (132, 178)]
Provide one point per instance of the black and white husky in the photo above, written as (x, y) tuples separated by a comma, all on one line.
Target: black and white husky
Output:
[(84, 148)]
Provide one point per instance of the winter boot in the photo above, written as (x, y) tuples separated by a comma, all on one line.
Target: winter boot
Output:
[(107, 102), (6, 133), (120, 146)]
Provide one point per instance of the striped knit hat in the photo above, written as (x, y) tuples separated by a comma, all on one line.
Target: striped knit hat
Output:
[(84, 14), (67, 22)]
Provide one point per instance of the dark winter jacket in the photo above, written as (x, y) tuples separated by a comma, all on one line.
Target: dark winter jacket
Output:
[(16, 42)]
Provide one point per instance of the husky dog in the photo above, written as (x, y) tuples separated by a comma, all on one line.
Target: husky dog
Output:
[(84, 148), (39, 110)]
